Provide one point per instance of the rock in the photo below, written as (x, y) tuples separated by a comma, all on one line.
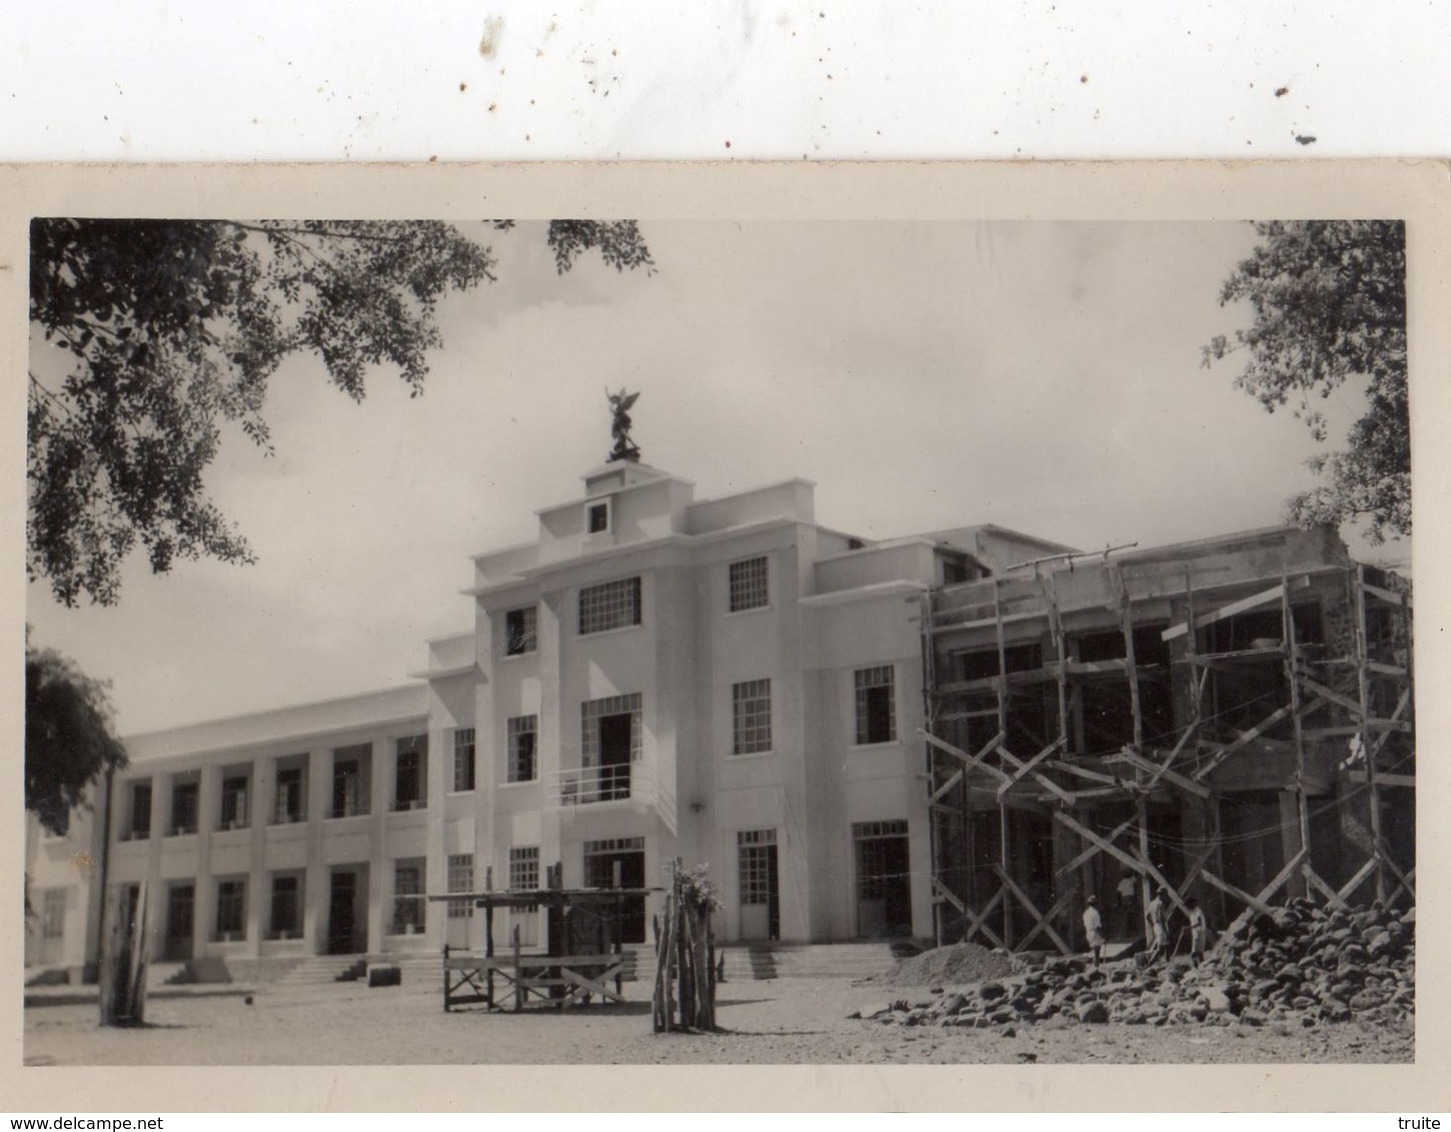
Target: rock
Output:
[(991, 990), (1093, 1012), (952, 1004), (1009, 1032), (1215, 998)]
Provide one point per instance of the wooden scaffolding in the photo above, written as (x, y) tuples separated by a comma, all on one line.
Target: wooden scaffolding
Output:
[(1336, 722)]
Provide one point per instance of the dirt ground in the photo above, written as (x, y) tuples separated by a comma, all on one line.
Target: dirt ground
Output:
[(777, 1022)]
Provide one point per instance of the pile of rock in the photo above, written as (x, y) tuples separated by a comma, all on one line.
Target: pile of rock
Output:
[(1302, 965)]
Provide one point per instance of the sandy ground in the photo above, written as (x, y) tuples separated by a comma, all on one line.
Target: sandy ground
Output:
[(777, 1022)]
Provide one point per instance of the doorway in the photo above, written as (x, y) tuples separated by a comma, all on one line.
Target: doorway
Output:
[(180, 922), (343, 919), (760, 884), (620, 863), (616, 741), (884, 880)]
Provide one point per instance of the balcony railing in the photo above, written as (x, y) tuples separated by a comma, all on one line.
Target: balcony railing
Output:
[(596, 785)]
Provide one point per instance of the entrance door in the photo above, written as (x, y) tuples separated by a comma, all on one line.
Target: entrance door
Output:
[(619, 864), (759, 881), (340, 918), (180, 920), (884, 880), (616, 734)]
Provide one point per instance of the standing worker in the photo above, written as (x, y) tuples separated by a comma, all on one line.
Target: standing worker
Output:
[(1158, 929), (1093, 928), (1198, 930)]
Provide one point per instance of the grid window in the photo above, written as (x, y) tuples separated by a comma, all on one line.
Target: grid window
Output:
[(876, 709), (184, 807), (289, 795), (463, 759), (592, 711), (756, 850), (234, 802), (524, 868), (52, 916), (521, 631), (749, 584), (286, 905), (751, 717), (409, 788), (231, 908), (351, 786), (523, 737), (460, 879), (140, 811), (612, 605), (408, 905)]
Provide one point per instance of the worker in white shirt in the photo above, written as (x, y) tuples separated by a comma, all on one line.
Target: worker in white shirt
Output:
[(1093, 928)]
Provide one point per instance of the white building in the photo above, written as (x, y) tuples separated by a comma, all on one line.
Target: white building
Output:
[(721, 681)]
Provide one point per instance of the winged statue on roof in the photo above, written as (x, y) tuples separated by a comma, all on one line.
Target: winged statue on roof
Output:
[(620, 404)]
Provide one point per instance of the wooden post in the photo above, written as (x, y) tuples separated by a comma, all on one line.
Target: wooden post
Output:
[(1004, 856), (1362, 658), (1291, 671), (445, 978), (518, 973)]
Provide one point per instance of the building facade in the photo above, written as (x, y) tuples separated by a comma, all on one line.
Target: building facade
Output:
[(652, 678)]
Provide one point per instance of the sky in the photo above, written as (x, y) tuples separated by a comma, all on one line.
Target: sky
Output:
[(1043, 376)]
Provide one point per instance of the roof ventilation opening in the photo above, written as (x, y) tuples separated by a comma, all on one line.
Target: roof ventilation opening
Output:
[(855, 544)]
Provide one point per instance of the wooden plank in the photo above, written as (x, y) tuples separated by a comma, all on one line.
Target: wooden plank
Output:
[(1352, 706), (1053, 910), (1238, 893), (1165, 773), (1032, 908), (1091, 775), (1312, 878), (937, 794), (1108, 847), (1283, 875), (971, 762), (1407, 781), (1042, 780), (1233, 609), (977, 921), (1347, 890), (1025, 768), (1218, 758), (1173, 755), (945, 893), (1384, 594)]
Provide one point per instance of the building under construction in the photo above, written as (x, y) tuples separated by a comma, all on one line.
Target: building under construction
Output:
[(1229, 719)]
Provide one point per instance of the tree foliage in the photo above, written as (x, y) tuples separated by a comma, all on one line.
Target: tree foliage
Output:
[(69, 742), (167, 329), (1329, 305)]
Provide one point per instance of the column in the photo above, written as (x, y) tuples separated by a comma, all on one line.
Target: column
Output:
[(209, 808), (380, 872), (319, 879), (259, 886), (439, 778)]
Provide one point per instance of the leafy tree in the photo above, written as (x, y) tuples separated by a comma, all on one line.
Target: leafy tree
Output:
[(68, 738), (166, 329), (1329, 303)]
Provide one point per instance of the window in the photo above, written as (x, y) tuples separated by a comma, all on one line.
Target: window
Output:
[(751, 717), (524, 868), (597, 517), (289, 795), (876, 710), (351, 781), (749, 588), (184, 807), (408, 904), (409, 785), (463, 759), (286, 907), (139, 825), (521, 631), (613, 605), (523, 732), (460, 879), (231, 909), (234, 802), (52, 916)]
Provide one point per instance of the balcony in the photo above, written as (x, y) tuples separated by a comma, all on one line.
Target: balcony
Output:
[(634, 783)]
